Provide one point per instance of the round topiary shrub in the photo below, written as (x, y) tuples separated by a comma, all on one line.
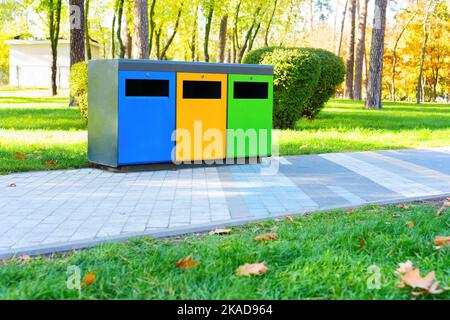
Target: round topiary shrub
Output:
[(79, 86), (304, 79), (255, 56), (296, 74), (332, 75)]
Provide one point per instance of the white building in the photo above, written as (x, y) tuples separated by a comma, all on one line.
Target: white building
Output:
[(30, 62)]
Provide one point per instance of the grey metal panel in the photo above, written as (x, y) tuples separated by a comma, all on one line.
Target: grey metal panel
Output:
[(103, 112), (198, 67)]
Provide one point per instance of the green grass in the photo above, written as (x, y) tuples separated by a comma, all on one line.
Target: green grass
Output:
[(15, 89), (316, 257), (345, 125), (44, 129), (12, 100)]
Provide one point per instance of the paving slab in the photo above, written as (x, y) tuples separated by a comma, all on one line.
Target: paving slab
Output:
[(51, 211)]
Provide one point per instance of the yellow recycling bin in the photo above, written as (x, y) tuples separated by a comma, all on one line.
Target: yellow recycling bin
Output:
[(201, 113)]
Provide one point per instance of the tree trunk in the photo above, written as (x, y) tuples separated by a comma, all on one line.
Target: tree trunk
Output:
[(333, 38), (128, 43), (208, 22), (253, 37), (222, 38), (193, 44), (113, 28), (152, 27), (229, 60), (158, 40), (374, 86), (435, 84), (426, 34), (395, 58), (119, 29), (269, 24), (341, 32), (174, 32), (249, 36), (360, 50), (350, 62), (86, 30), (76, 31), (311, 15), (235, 36), (435, 75), (140, 37), (54, 19)]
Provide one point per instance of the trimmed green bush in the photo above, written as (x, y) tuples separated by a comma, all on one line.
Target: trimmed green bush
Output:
[(79, 86), (332, 75), (304, 79), (296, 74), (255, 56)]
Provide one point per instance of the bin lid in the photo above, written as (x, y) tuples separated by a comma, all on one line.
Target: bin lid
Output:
[(194, 67)]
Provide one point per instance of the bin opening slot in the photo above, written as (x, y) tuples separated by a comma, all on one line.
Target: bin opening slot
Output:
[(202, 89), (250, 90), (146, 88)]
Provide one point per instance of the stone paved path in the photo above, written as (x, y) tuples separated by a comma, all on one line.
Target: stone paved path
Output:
[(51, 211)]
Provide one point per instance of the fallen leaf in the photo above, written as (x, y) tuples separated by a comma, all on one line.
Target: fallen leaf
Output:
[(442, 241), (349, 211), (50, 163), (440, 211), (290, 219), (274, 228), (252, 269), (12, 185), (220, 231), (410, 224), (187, 263), (410, 276), (434, 289), (24, 258), (413, 279), (20, 155), (404, 266), (362, 243), (266, 237), (304, 146), (89, 279), (403, 206)]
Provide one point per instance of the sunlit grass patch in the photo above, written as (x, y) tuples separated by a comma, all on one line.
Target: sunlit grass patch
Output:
[(319, 256), (42, 149), (345, 125), (342, 126)]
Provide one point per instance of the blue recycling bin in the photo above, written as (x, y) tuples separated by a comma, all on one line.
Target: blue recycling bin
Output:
[(146, 117)]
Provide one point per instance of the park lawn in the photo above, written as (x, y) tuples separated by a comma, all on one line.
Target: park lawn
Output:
[(346, 125), (15, 89), (40, 133), (53, 136), (317, 256)]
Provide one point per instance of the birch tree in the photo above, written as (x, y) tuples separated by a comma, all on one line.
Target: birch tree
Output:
[(374, 94)]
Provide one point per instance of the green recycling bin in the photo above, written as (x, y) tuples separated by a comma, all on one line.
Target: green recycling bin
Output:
[(250, 108)]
